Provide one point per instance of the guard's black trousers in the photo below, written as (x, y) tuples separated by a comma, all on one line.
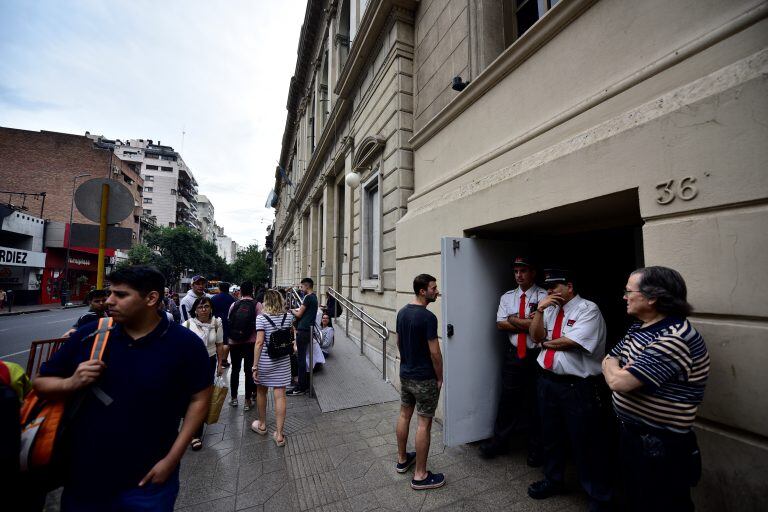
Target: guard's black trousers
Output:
[(303, 340), (239, 353), (571, 414), (658, 468), (518, 409)]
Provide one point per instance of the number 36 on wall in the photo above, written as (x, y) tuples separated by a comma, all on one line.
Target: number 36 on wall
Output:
[(670, 190)]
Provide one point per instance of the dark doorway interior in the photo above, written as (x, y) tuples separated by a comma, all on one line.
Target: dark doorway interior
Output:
[(599, 240)]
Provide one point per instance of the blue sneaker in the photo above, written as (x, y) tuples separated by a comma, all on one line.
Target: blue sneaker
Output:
[(402, 467), (433, 481)]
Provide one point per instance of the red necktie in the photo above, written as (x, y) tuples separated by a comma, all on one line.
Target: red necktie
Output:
[(521, 336), (549, 355)]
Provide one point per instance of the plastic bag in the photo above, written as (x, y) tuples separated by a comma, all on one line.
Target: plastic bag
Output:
[(218, 397)]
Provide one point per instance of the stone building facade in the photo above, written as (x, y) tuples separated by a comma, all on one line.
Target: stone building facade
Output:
[(602, 135)]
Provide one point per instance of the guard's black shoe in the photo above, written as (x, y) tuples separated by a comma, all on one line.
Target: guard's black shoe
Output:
[(489, 449), (534, 460), (545, 489)]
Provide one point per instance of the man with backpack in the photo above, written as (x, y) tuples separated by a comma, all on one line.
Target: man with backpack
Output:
[(122, 438), (242, 340)]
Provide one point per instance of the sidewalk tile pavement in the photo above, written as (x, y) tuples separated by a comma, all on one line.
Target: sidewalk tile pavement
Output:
[(344, 461)]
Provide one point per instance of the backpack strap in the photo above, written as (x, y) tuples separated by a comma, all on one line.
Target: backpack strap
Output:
[(270, 321), (102, 335), (284, 316), (232, 310)]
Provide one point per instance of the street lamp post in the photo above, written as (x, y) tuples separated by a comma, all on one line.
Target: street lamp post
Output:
[(65, 296)]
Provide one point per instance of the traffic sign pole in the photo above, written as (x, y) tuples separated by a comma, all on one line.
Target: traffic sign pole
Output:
[(102, 236)]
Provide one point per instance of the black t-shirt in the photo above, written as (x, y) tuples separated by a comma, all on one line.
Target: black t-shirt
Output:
[(307, 320), (416, 325)]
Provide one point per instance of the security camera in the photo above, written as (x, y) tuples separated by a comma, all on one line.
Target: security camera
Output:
[(459, 84)]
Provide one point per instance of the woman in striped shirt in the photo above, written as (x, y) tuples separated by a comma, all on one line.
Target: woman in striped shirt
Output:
[(268, 372), (658, 373)]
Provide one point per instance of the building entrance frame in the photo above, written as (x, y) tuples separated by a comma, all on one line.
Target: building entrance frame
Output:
[(599, 239)]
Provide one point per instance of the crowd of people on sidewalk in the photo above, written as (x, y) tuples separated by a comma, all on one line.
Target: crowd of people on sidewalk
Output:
[(553, 371), (138, 362), (141, 361)]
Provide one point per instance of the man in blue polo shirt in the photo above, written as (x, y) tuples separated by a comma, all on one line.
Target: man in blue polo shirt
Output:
[(124, 440)]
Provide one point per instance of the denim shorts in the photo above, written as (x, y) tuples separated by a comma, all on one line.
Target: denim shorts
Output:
[(424, 394)]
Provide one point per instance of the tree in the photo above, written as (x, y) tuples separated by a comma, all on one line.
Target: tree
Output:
[(250, 265), (141, 254), (185, 249)]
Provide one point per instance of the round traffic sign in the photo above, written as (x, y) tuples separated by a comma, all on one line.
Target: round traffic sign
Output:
[(88, 200)]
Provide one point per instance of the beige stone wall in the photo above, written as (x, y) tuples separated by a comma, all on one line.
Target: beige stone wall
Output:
[(603, 97), (627, 96), (381, 106), (442, 52)]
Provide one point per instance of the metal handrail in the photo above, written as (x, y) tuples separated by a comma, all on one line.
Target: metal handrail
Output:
[(380, 329)]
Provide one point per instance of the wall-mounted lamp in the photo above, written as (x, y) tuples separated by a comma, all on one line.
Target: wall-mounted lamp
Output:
[(352, 179)]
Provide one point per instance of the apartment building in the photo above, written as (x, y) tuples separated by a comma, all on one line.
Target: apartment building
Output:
[(225, 246), (446, 136), (39, 172), (205, 217), (170, 187)]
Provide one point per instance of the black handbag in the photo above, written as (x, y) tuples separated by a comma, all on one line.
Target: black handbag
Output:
[(280, 342)]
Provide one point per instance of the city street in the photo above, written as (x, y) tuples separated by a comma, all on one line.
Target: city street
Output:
[(18, 331)]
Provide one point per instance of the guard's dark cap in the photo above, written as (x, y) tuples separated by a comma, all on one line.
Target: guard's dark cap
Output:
[(556, 276), (522, 261)]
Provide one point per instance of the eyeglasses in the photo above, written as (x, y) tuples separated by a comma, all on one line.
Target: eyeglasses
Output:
[(627, 292), (204, 306)]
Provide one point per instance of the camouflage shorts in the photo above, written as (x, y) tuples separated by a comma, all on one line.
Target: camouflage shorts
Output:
[(424, 394)]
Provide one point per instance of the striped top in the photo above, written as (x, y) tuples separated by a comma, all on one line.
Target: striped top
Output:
[(671, 360), (273, 372)]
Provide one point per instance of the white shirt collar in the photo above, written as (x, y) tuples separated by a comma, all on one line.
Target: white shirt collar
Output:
[(571, 304)]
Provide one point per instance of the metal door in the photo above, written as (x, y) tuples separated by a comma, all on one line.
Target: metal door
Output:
[(475, 273)]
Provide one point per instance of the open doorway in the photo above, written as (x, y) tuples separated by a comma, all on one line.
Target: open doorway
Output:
[(599, 240)]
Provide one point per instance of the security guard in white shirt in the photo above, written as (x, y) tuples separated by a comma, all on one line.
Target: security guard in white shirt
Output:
[(571, 331), (518, 411)]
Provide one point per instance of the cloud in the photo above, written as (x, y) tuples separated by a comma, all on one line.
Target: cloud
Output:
[(212, 81), (11, 98)]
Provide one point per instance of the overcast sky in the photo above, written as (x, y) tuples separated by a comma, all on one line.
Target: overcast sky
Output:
[(218, 71)]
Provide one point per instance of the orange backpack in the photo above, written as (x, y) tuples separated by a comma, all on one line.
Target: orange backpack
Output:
[(42, 419)]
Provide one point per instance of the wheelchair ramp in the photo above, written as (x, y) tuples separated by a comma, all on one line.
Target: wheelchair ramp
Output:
[(349, 379)]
